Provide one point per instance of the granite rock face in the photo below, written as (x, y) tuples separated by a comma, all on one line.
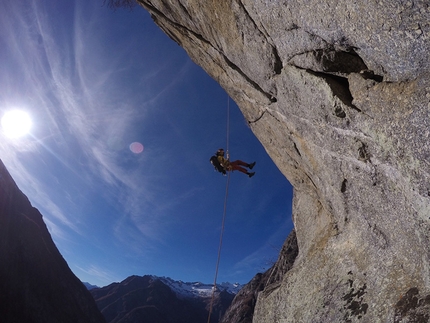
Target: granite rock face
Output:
[(36, 284), (338, 92)]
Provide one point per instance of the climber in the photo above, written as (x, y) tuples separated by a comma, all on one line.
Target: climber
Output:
[(234, 165)]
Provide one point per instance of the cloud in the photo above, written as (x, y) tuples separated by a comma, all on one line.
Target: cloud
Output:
[(71, 87), (265, 256), (88, 103), (31, 183), (98, 274)]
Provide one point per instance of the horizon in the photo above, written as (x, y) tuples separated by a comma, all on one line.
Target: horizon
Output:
[(222, 284)]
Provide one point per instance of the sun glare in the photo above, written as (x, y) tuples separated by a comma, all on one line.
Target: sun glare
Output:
[(16, 123)]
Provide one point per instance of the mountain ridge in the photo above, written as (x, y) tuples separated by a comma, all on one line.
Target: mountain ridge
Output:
[(162, 300), (191, 289), (198, 289)]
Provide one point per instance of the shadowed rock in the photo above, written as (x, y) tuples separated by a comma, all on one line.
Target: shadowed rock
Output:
[(36, 284)]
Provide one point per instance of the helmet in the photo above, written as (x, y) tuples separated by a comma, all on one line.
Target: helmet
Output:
[(220, 152)]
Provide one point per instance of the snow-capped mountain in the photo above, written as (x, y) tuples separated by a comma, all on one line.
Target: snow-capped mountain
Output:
[(197, 289), (162, 299)]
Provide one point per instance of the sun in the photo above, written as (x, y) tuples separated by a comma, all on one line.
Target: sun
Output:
[(16, 123)]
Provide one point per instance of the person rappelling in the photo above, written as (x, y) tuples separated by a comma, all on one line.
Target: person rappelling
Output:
[(224, 165)]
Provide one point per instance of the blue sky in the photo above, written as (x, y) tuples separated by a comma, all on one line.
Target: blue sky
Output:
[(94, 81)]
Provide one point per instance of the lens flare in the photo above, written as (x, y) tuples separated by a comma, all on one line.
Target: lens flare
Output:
[(136, 147)]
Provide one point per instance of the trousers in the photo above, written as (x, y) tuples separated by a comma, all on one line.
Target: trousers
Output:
[(236, 165)]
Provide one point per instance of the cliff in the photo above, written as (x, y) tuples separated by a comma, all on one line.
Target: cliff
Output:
[(36, 284), (338, 93)]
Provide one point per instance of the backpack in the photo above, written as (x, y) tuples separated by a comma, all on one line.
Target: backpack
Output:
[(214, 161)]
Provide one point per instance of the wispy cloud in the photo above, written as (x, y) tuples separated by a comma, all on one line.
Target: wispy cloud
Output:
[(265, 256), (83, 115), (99, 275), (92, 91)]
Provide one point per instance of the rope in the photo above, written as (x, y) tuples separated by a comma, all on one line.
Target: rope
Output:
[(219, 248), (224, 214), (228, 126)]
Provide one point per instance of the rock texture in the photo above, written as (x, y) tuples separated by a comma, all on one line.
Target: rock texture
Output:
[(36, 284), (338, 92)]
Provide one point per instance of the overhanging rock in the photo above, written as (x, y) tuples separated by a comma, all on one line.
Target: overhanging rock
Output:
[(338, 92)]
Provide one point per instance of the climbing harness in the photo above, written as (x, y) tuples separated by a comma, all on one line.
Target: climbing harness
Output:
[(224, 213)]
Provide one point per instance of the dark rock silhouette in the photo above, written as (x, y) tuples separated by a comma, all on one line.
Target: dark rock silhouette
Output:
[(36, 284)]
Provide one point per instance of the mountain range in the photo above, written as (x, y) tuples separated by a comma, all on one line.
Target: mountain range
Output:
[(37, 286), (153, 299), (162, 300)]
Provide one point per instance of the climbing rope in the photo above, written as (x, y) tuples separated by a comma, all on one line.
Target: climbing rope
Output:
[(223, 216), (228, 126), (219, 248)]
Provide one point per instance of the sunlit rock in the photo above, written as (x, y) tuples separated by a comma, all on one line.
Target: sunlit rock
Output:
[(338, 93)]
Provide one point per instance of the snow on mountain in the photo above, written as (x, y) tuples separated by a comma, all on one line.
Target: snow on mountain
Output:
[(197, 289)]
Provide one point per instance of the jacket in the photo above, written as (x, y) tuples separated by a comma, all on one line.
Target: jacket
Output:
[(224, 162)]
